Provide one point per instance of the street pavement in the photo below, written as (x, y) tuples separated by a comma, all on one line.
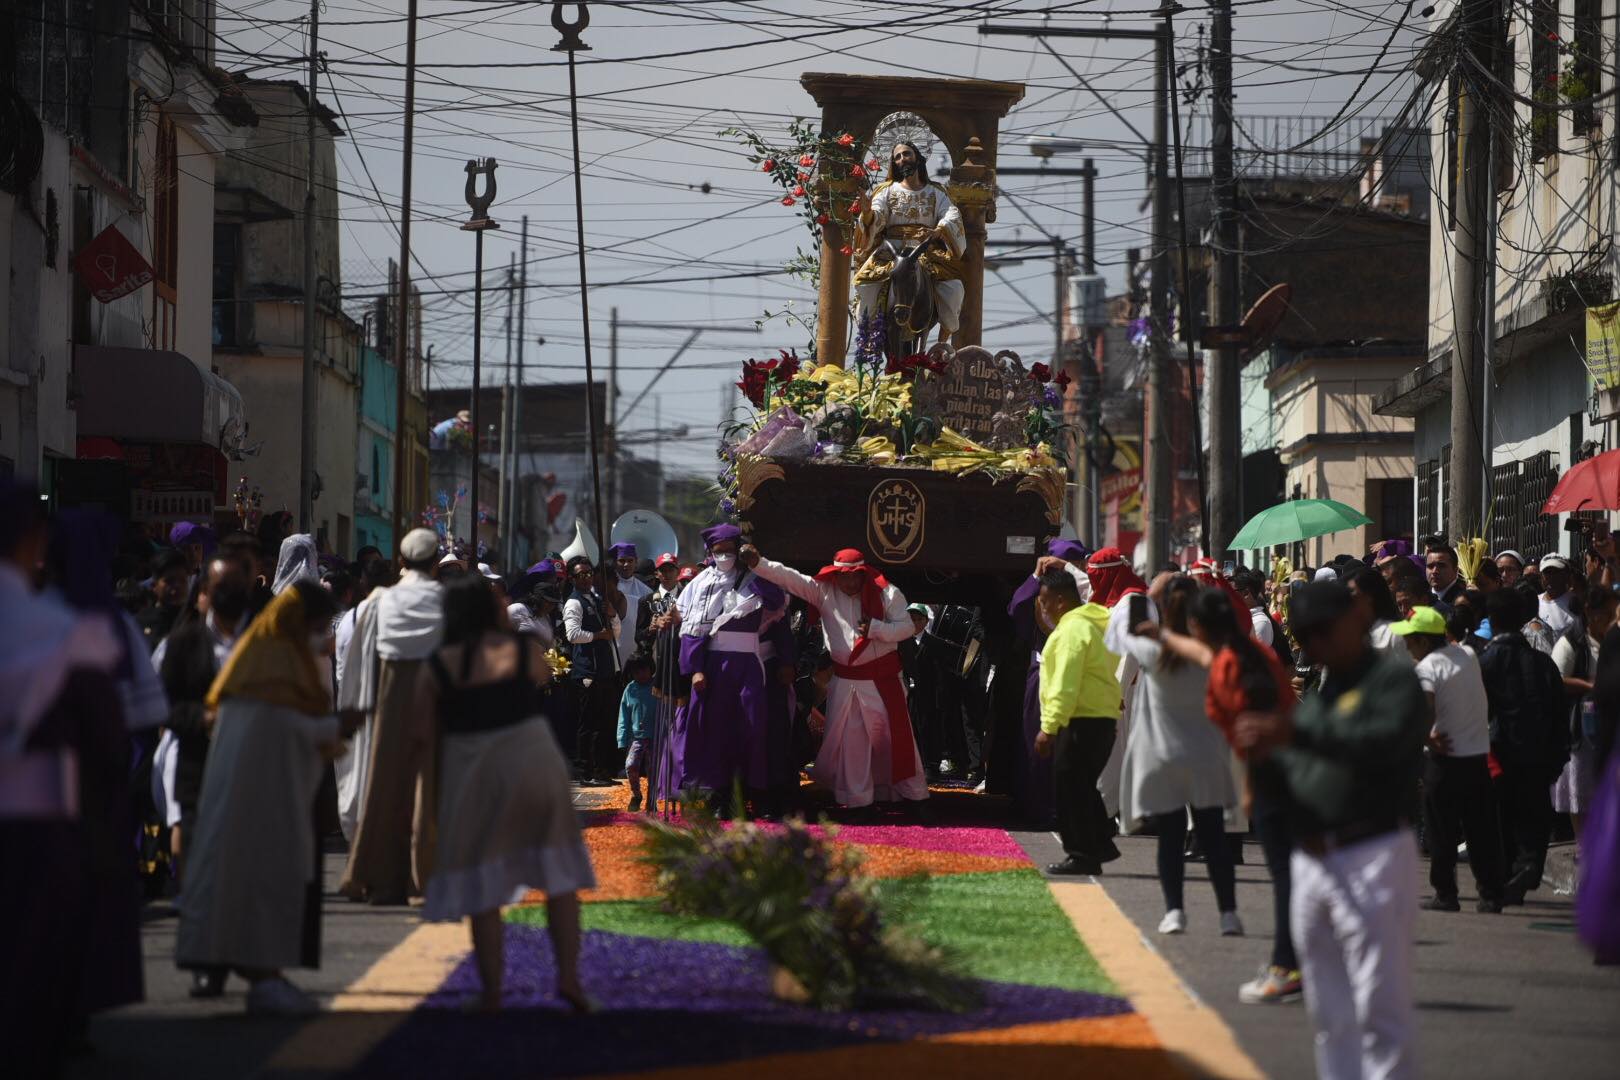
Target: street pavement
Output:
[(1505, 996), (1510, 995)]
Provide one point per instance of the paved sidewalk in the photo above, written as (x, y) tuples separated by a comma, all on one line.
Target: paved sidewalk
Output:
[(1510, 995)]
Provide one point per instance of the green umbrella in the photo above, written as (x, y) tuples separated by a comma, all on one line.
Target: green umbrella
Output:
[(1300, 519)]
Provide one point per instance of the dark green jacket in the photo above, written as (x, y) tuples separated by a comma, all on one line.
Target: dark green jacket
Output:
[(1358, 748)]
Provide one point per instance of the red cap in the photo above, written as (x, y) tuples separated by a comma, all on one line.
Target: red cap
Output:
[(666, 559), (687, 573), (846, 560)]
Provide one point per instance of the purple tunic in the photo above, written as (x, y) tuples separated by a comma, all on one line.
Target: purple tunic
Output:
[(722, 733)]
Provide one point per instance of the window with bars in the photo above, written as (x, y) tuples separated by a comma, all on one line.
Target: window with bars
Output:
[(1584, 68), (1504, 532), (1428, 497), (1538, 532)]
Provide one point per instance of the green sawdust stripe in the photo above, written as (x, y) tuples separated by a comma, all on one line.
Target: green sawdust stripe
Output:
[(1001, 926)]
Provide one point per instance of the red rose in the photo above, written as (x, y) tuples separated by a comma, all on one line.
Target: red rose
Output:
[(1061, 380), (873, 165), (788, 200), (754, 379), (822, 219), (855, 207), (857, 170), (1040, 373), (846, 139), (799, 190), (807, 160), (846, 250), (803, 176), (768, 166)]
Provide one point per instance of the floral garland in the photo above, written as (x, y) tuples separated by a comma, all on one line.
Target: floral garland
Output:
[(817, 172), (806, 903)]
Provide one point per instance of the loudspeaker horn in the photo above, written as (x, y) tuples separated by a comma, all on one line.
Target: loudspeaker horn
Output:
[(651, 534), (583, 544)]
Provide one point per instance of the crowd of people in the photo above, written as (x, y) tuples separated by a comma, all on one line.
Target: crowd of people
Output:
[(212, 714)]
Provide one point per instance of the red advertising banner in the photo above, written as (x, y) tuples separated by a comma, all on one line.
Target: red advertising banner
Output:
[(110, 267)]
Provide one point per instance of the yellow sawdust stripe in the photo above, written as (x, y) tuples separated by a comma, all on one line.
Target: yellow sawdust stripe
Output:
[(370, 1008), (1188, 1029)]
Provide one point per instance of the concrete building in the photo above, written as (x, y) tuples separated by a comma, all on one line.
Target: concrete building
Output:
[(1554, 275), (106, 219), (257, 239)]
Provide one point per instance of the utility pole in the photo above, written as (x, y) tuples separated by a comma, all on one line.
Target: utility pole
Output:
[(402, 338), (1088, 513), (505, 449), (306, 442), (1159, 466), (1223, 374), (1472, 246), (513, 500), (1159, 475), (611, 443)]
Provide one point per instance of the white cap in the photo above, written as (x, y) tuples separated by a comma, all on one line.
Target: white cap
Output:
[(1554, 562), (1326, 573), (419, 545), (483, 568), (450, 557)]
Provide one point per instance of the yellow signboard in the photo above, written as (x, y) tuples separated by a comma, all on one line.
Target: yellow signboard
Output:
[(1603, 345)]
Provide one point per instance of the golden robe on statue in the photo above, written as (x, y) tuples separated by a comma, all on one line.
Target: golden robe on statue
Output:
[(907, 217)]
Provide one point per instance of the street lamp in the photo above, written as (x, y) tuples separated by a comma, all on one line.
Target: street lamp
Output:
[(478, 224)]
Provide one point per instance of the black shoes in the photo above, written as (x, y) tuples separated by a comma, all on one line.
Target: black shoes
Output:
[(1489, 907), (1075, 866), (1441, 903)]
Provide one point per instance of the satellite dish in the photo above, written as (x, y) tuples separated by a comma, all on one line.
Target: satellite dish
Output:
[(651, 534), (1262, 320), (583, 544)]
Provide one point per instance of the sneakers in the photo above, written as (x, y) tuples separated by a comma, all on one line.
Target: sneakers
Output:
[(1441, 903), (1174, 922), (1231, 925), (278, 997), (1273, 986)]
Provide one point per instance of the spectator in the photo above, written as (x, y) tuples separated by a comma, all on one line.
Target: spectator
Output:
[(1510, 565), (1344, 765), (1376, 605), (251, 902), (1529, 740), (1457, 798), (506, 822), (1176, 759), (1576, 655), (1534, 630), (171, 581), (1553, 605), (1440, 562)]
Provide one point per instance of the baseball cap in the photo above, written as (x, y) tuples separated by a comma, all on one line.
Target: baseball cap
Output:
[(419, 545), (1424, 620), (666, 559), (1554, 562), (688, 573)]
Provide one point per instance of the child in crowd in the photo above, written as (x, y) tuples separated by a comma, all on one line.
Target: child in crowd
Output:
[(638, 712)]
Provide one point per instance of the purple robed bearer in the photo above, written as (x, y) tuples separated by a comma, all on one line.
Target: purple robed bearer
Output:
[(721, 732)]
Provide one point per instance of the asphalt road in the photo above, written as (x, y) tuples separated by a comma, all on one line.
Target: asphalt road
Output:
[(1510, 996)]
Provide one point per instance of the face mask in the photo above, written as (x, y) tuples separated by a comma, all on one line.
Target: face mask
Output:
[(725, 563), (228, 603)]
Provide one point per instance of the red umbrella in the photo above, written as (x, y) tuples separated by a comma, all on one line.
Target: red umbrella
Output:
[(1593, 484)]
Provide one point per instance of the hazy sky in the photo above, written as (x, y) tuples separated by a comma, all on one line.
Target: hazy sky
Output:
[(660, 82)]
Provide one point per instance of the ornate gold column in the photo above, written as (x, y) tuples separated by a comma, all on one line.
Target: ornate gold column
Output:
[(973, 190)]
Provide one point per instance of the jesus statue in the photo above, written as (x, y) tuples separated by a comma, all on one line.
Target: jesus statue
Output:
[(907, 209)]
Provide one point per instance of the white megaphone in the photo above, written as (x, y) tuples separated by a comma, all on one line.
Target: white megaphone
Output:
[(583, 544), (651, 534)]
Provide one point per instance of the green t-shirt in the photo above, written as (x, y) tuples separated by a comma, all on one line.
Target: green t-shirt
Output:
[(1358, 747)]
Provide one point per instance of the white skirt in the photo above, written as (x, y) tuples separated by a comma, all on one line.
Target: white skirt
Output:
[(506, 823)]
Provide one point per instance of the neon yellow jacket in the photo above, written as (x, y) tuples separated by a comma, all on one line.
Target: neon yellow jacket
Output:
[(1077, 670)]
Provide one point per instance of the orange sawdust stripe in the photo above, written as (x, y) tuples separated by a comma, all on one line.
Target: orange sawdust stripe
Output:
[(615, 851), (1104, 1048)]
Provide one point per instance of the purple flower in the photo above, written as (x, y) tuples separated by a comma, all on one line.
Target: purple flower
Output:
[(1050, 396), (727, 507)]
